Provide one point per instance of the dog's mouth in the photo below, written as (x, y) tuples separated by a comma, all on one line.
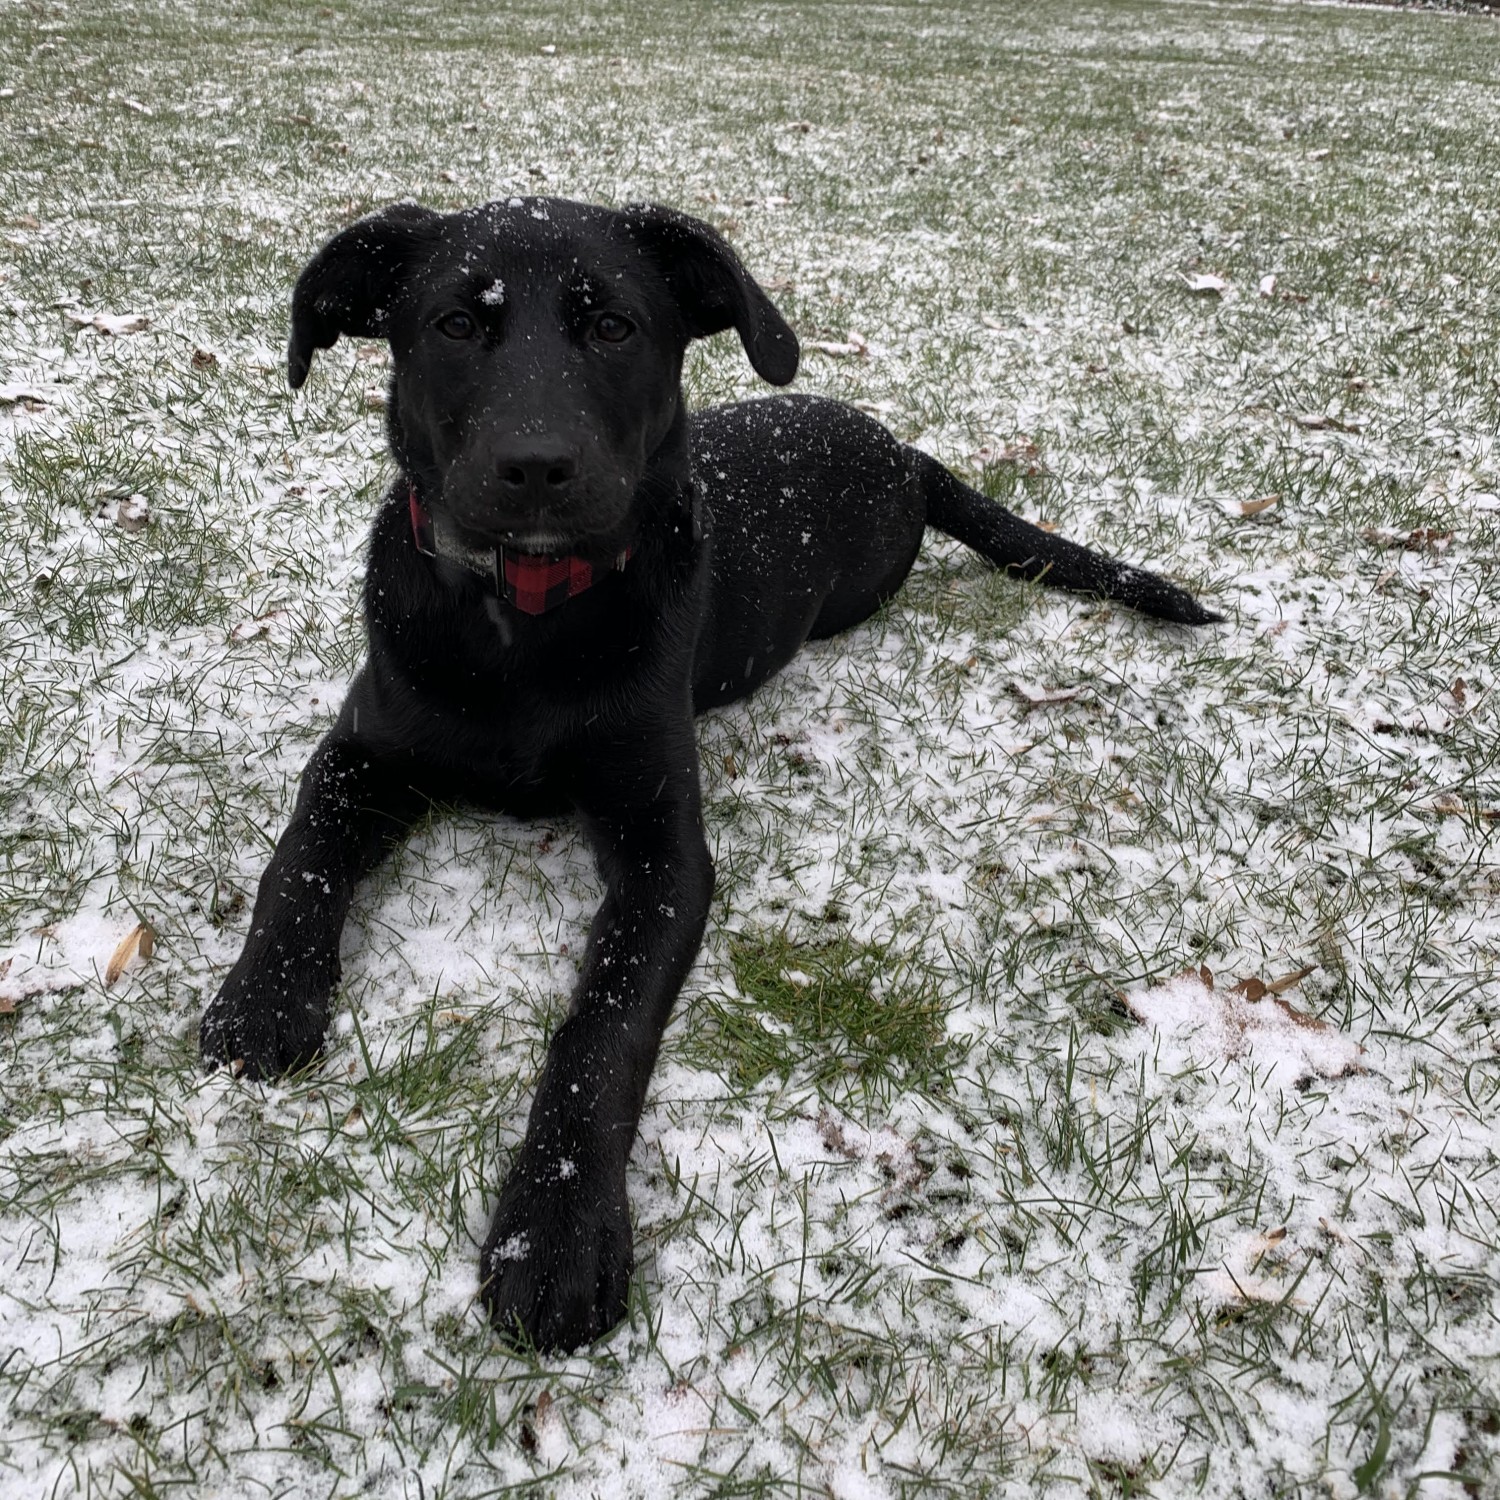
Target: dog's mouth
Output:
[(542, 544), (535, 543)]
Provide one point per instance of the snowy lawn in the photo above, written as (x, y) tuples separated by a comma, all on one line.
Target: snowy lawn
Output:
[(950, 1182)]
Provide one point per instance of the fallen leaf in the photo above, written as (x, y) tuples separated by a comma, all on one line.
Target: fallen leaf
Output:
[(133, 513), (205, 359), (139, 942), (1267, 286), (1258, 989), (1422, 539), (1250, 507), (116, 325), (1021, 453), (1036, 697), (29, 396), (1204, 284), (249, 630), (883, 1147), (854, 345), (1317, 421), (1213, 1024)]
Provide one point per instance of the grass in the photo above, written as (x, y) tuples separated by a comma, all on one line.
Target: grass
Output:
[(920, 1207), (831, 1008)]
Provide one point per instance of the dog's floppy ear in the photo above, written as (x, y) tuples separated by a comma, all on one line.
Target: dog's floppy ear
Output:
[(713, 290), (346, 288)]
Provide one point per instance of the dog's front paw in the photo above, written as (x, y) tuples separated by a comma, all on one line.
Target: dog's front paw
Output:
[(267, 1019), (555, 1268)]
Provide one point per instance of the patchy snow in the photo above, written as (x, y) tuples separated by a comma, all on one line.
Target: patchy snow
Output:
[(1129, 1232), (1193, 1023)]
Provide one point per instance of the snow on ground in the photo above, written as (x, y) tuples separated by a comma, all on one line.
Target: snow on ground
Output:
[(993, 1147)]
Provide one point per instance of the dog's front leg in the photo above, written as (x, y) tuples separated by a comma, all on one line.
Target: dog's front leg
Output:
[(272, 1009), (556, 1264)]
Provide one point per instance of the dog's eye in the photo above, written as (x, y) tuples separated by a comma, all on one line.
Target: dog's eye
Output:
[(457, 325), (612, 328)]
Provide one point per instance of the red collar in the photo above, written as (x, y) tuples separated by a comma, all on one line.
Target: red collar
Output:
[(532, 584)]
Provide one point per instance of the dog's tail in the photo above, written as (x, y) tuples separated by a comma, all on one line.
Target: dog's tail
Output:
[(1021, 548)]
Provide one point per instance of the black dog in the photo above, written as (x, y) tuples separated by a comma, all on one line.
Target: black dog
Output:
[(568, 567)]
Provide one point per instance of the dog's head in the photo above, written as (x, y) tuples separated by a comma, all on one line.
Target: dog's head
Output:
[(537, 351)]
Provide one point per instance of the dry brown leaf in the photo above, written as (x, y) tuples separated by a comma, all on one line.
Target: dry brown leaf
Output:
[(1286, 982), (1230, 1023), (32, 397), (1421, 539), (1318, 421), (139, 942), (249, 630), (133, 513), (1257, 989), (852, 345), (117, 325), (1037, 697), (7, 1006), (1023, 454)]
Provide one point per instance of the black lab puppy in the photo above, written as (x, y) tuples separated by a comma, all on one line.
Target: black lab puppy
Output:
[(567, 567)]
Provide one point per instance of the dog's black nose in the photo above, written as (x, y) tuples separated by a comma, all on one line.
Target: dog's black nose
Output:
[(539, 473)]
